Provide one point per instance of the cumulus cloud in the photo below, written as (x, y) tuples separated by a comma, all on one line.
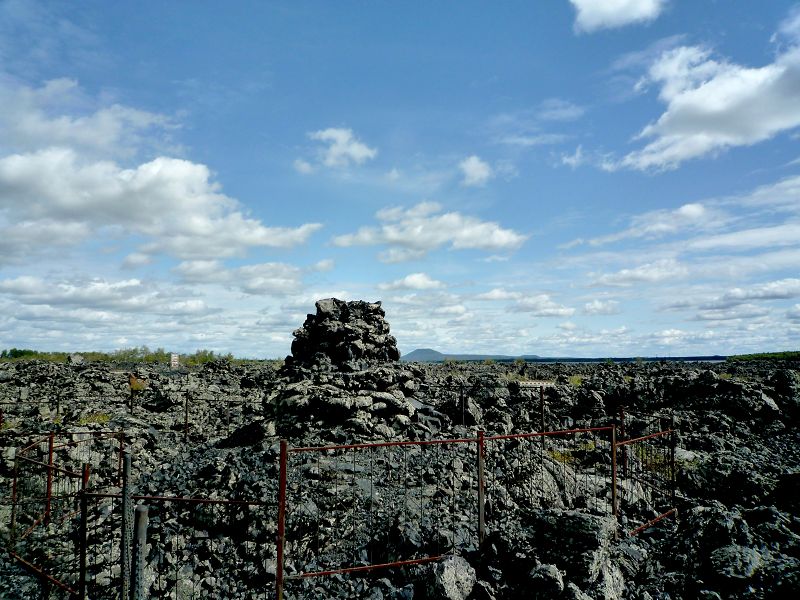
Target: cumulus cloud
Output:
[(127, 296), (412, 232), (343, 148), (275, 279), (574, 160), (794, 313), (713, 105), (528, 127), (542, 305), (499, 294), (690, 217), (303, 166), (655, 272), (601, 307), (172, 203), (33, 118), (786, 234), (475, 171), (414, 281), (592, 15), (744, 311), (782, 289)]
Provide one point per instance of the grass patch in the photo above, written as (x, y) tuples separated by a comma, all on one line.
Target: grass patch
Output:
[(575, 380), (7, 425), (94, 418)]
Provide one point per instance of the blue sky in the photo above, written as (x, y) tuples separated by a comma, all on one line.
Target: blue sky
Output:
[(571, 177)]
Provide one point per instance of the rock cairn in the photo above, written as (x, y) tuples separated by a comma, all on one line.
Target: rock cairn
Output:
[(344, 334), (344, 371)]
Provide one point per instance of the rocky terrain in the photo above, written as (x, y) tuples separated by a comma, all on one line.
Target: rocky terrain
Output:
[(213, 433)]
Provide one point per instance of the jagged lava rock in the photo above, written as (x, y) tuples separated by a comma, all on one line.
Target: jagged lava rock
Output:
[(343, 332)]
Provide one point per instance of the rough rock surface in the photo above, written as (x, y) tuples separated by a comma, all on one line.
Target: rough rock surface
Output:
[(737, 534)]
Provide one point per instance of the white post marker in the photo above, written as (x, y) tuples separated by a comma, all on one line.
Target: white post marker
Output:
[(173, 361)]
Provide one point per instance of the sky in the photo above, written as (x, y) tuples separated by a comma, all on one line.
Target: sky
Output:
[(561, 178)]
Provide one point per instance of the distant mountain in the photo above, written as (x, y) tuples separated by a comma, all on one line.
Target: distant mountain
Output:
[(430, 355)]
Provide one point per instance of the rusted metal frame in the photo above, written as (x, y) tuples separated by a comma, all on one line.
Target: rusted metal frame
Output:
[(32, 444), (512, 436), (49, 494), (40, 499), (481, 489), (645, 437), (95, 435), (400, 563), (614, 445), (672, 473), (279, 567), (381, 445), (54, 468), (121, 451), (652, 522), (14, 499), (82, 534), (30, 529), (38, 572), (179, 499), (186, 416)]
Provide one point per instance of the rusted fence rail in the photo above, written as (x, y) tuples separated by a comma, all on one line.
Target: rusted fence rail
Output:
[(333, 510)]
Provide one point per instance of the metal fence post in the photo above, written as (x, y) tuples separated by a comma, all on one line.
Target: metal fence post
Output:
[(14, 497), (463, 407), (186, 416), (49, 496), (622, 437), (127, 527), (481, 491), (614, 470), (281, 519), (673, 475), (139, 552), (82, 535)]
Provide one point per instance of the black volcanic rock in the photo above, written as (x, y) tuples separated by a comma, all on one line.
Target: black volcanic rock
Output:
[(342, 333)]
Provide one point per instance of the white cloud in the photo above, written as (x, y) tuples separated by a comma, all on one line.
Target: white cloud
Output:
[(172, 203), (782, 289), (575, 159), (534, 139), (794, 313), (127, 296), (343, 148), (413, 232), (275, 279), (658, 223), (601, 307), (499, 294), (414, 281), (654, 272), (744, 311), (557, 109), (713, 105), (303, 167), (787, 234), (542, 305), (782, 195), (476, 172), (32, 118), (607, 14), (324, 265)]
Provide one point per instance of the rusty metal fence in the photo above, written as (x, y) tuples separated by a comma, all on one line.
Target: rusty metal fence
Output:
[(647, 470), (50, 474), (333, 510), (361, 507)]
